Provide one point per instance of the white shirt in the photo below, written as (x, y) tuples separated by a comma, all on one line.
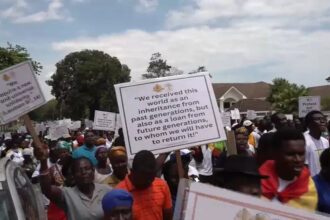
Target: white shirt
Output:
[(205, 168), (314, 148), (282, 184)]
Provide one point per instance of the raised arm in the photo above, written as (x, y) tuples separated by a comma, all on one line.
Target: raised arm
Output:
[(52, 192)]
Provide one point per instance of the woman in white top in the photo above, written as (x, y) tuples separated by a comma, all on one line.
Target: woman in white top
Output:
[(102, 169)]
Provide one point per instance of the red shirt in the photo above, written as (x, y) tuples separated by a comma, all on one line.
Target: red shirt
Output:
[(148, 203)]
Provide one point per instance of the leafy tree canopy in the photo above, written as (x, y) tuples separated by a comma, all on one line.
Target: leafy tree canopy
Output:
[(284, 96), (84, 82), (157, 67), (12, 55)]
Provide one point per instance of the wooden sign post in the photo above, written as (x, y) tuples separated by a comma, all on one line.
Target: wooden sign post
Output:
[(31, 130), (231, 143)]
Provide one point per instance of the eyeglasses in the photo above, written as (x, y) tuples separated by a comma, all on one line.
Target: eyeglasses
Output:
[(319, 119)]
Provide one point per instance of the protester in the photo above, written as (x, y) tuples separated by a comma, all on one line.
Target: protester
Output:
[(119, 141), (265, 150), (81, 201), (289, 180), (279, 120), (118, 160), (78, 142), (253, 136), (152, 198), (117, 204), (28, 165), (102, 169), (88, 149), (15, 152), (204, 165), (315, 143), (240, 174), (322, 183)]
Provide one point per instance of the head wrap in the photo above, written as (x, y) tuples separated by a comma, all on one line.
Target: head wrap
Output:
[(98, 149), (80, 139), (115, 198), (64, 145), (100, 141), (118, 151)]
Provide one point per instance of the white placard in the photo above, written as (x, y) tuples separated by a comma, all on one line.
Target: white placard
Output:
[(22, 130), (20, 92), (118, 124), (206, 202), (235, 114), (169, 113), (289, 117), (308, 104), (88, 123), (57, 132), (104, 121), (75, 125), (7, 136), (251, 114), (40, 127), (226, 120)]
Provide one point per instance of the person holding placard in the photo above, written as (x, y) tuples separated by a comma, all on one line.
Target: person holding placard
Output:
[(152, 198), (289, 180), (82, 201), (315, 143)]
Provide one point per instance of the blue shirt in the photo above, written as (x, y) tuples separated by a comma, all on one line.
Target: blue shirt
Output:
[(84, 151), (323, 190)]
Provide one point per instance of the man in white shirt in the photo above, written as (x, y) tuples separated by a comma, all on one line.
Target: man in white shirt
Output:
[(315, 143)]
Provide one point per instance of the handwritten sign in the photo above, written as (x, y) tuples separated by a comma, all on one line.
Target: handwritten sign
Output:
[(251, 114), (308, 104), (235, 114), (20, 92), (169, 113)]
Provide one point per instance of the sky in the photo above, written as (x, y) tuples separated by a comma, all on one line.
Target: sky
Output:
[(236, 40)]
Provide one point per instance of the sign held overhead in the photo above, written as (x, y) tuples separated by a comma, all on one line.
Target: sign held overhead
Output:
[(170, 113), (20, 92)]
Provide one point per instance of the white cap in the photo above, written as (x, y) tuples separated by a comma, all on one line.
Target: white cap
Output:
[(27, 151), (247, 123)]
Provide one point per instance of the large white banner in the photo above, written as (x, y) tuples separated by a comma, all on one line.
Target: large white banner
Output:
[(20, 92), (207, 202), (308, 104), (104, 121), (169, 113)]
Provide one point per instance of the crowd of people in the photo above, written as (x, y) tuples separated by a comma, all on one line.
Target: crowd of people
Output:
[(87, 174)]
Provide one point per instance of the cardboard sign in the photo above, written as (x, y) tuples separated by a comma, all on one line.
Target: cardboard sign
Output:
[(104, 121), (170, 113), (20, 92), (22, 130), (88, 123), (206, 202), (251, 114), (308, 104), (75, 125), (226, 120), (235, 115)]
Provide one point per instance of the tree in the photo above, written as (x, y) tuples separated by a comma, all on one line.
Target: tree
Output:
[(12, 55), (49, 111), (284, 96), (199, 70), (84, 82), (157, 67), (325, 103)]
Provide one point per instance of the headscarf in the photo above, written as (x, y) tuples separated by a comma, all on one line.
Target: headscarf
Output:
[(99, 148), (115, 198), (100, 141), (118, 151)]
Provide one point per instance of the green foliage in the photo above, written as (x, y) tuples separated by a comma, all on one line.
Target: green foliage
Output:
[(285, 96), (325, 103), (157, 67), (49, 111), (84, 82), (12, 55)]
